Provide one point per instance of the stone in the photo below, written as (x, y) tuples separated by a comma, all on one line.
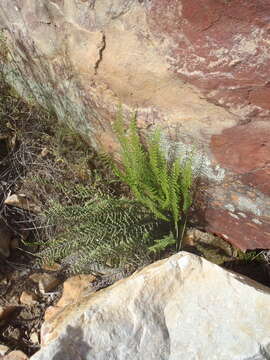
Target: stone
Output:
[(74, 288), (3, 281), (28, 298), (183, 307), (46, 282), (210, 246), (36, 277), (199, 70), (34, 338), (15, 355), (44, 152), (14, 300), (3, 349), (22, 202), (248, 157), (51, 311), (51, 267)]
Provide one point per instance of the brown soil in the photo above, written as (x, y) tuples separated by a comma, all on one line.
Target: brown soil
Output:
[(16, 330), (37, 157), (22, 130)]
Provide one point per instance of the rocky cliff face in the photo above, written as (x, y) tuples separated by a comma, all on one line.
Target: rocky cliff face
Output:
[(198, 69)]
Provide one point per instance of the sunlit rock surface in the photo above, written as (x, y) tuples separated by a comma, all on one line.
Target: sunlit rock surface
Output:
[(198, 69), (183, 307)]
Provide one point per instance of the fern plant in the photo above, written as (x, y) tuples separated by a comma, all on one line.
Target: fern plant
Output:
[(104, 231), (162, 185), (99, 230)]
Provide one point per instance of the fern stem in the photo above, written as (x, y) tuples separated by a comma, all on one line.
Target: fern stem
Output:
[(176, 228), (180, 239)]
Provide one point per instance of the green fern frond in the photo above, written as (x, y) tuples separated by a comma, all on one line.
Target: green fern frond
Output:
[(175, 192), (186, 185), (160, 169), (103, 229), (163, 186), (108, 230), (162, 244)]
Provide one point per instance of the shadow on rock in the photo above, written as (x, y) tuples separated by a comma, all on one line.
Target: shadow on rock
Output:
[(72, 346)]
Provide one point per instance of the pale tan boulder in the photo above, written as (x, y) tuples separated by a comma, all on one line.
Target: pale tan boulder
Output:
[(183, 307)]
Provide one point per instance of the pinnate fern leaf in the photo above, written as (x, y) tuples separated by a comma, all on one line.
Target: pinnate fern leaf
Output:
[(103, 229), (163, 186), (161, 244)]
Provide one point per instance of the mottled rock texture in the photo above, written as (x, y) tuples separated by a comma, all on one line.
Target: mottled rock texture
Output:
[(199, 69), (183, 307)]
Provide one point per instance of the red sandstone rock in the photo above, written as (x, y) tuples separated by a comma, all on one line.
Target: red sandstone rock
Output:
[(237, 229), (245, 149), (222, 47)]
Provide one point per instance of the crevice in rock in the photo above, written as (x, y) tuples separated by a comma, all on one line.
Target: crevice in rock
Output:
[(212, 24), (101, 49), (264, 352), (92, 4)]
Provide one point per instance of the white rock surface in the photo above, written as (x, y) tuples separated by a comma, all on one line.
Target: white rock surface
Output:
[(3, 350), (180, 308)]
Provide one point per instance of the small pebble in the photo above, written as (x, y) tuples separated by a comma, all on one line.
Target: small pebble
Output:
[(28, 298), (34, 338), (52, 267), (3, 349), (46, 282)]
